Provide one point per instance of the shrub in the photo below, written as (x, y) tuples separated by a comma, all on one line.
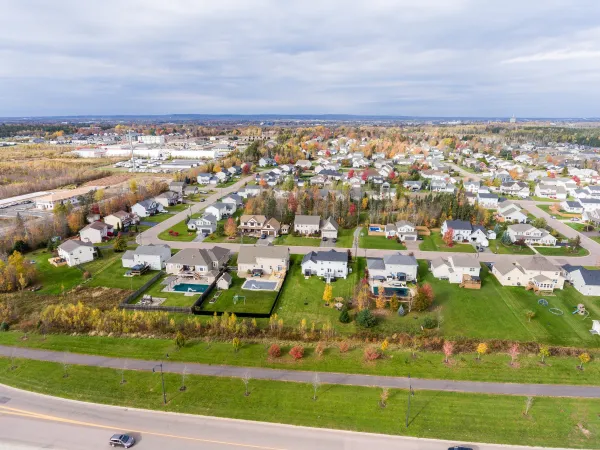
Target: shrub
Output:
[(344, 315), (4, 326), (366, 319), (179, 340), (344, 346), (429, 323), (297, 352), (320, 349), (372, 353), (274, 351), (87, 275)]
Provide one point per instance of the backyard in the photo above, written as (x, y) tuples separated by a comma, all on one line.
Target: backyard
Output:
[(379, 242), (435, 243), (172, 298), (257, 302)]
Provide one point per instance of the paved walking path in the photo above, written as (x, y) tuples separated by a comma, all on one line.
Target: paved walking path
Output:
[(548, 390)]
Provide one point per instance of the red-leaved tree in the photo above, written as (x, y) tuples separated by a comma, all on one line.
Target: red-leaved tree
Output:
[(448, 237), (297, 352), (274, 351)]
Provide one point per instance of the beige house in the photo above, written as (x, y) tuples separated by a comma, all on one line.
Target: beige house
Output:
[(120, 220), (257, 224), (263, 260), (536, 272)]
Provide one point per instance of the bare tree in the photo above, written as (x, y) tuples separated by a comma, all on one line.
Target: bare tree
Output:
[(184, 373), (122, 372), (65, 366), (383, 397), (528, 404), (13, 362), (316, 383), (246, 380)]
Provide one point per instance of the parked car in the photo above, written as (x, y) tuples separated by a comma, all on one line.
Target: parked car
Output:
[(324, 239), (575, 219), (121, 440), (202, 199), (334, 240)]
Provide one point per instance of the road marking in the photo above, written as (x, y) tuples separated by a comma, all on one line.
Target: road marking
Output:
[(33, 415)]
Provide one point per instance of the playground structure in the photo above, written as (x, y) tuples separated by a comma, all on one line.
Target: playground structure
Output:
[(237, 298), (580, 309)]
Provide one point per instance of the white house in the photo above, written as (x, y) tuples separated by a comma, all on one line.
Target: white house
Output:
[(329, 228), (518, 188), (551, 191), (327, 264), (537, 270), (586, 281), (454, 267), (571, 206), (76, 252), (307, 224), (220, 209), (511, 213), (489, 201), (394, 266), (463, 231), (168, 198), (263, 260), (530, 234), (146, 208), (589, 204), (403, 230), (95, 232), (153, 256), (206, 224), (120, 220)]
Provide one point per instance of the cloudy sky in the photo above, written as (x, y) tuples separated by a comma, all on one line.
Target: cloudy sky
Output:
[(531, 58)]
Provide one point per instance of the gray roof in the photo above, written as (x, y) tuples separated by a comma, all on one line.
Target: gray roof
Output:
[(375, 264), (521, 227), (199, 256), (489, 196), (147, 204), (249, 253), (399, 259), (72, 244), (464, 261), (504, 267), (226, 277), (128, 255), (538, 263), (459, 225), (330, 255), (331, 221), (307, 220), (152, 249), (95, 226)]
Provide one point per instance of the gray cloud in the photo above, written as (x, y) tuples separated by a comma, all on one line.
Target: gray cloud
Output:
[(432, 57)]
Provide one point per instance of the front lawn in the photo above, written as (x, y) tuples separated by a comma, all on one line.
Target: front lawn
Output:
[(257, 302), (379, 242), (578, 226), (562, 251), (157, 218), (543, 199), (552, 422), (183, 234), (289, 239), (435, 243), (345, 238), (236, 240), (503, 249)]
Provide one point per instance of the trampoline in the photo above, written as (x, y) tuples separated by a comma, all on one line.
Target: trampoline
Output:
[(543, 302), (556, 311)]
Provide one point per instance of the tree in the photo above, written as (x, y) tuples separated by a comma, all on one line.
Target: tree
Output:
[(372, 353), (120, 244), (230, 227), (384, 345), (344, 315), (362, 298), (544, 352), (327, 293), (394, 303), (133, 186), (481, 350), (514, 353), (316, 383), (539, 222), (365, 203), (237, 343), (344, 346), (352, 209), (584, 358), (179, 340), (448, 349), (424, 298), (530, 315), (366, 319), (528, 404), (448, 237), (246, 380), (383, 397), (380, 300)]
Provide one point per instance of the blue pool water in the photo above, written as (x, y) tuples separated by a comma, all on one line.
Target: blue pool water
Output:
[(389, 291), (188, 287)]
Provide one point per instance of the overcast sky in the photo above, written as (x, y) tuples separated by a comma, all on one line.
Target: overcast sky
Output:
[(416, 57)]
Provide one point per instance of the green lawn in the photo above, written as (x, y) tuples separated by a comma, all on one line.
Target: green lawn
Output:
[(379, 242), (112, 276), (345, 238), (492, 367), (435, 243), (561, 251), (498, 312), (184, 234), (178, 207), (289, 239), (543, 199), (447, 415), (172, 298), (257, 302), (577, 226), (503, 249), (157, 218), (236, 240)]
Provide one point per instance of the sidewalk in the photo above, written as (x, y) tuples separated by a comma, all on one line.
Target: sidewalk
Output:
[(476, 387)]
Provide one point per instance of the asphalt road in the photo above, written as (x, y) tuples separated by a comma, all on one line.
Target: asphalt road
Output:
[(151, 236), (477, 387), (34, 421)]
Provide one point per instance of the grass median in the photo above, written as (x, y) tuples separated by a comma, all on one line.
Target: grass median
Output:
[(446, 415)]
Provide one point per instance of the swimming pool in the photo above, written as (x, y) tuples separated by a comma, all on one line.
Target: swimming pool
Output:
[(257, 285), (389, 291), (189, 287)]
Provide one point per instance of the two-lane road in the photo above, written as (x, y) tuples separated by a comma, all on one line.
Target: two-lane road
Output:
[(33, 421)]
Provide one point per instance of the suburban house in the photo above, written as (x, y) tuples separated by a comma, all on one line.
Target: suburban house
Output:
[(233, 199), (586, 281), (403, 230), (530, 234), (221, 210), (589, 204), (168, 198), (455, 268), (207, 224), (471, 186), (190, 190), (250, 191), (121, 220), (551, 191), (489, 201), (394, 266), (413, 185), (204, 178), (511, 213), (463, 231), (329, 228), (591, 216), (537, 270), (192, 261), (76, 252), (263, 260), (265, 162), (572, 206), (307, 224), (146, 208), (153, 256), (258, 224), (178, 187), (95, 232), (518, 188), (327, 264)]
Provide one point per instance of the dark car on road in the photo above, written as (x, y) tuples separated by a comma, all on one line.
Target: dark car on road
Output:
[(121, 440)]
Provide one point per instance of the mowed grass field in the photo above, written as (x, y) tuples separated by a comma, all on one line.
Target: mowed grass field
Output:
[(556, 422), (435, 243), (379, 242), (258, 302)]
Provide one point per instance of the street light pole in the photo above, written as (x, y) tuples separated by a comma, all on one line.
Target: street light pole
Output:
[(162, 376)]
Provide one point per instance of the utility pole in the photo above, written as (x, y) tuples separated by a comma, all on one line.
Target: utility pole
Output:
[(162, 376), (410, 394)]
